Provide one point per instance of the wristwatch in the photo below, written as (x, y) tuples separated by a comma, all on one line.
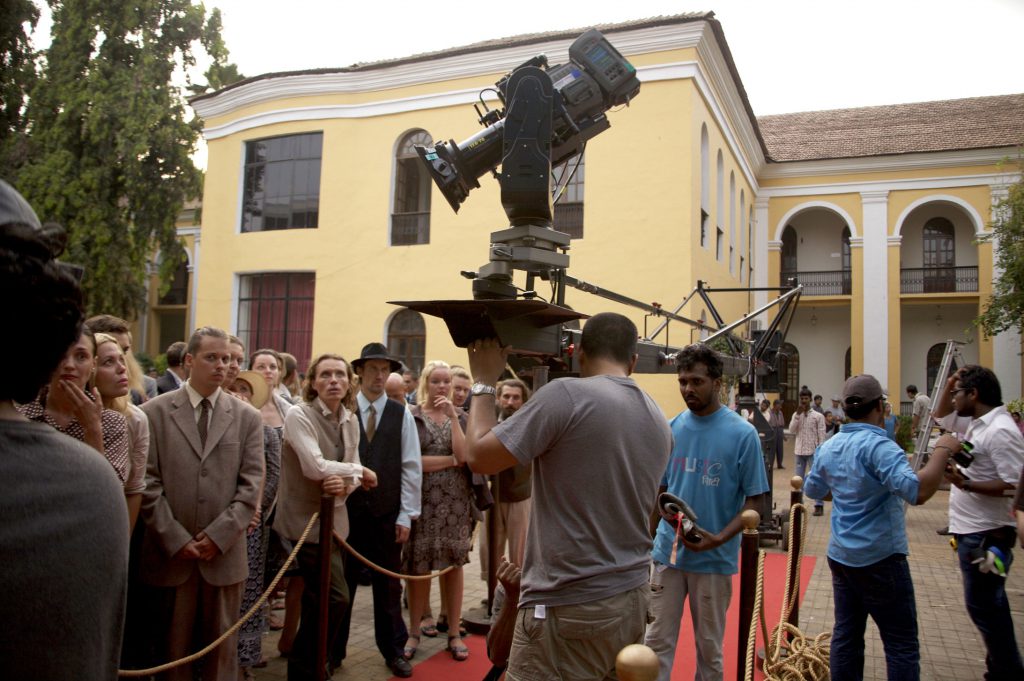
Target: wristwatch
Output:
[(483, 389)]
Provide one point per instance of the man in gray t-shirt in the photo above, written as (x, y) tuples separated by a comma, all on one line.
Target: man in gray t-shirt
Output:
[(598, 445)]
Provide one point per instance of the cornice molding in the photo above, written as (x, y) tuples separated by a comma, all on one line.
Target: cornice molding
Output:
[(856, 242), (486, 62), (842, 166), (895, 240), (901, 184)]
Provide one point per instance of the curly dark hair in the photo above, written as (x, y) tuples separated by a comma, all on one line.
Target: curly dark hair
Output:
[(984, 382), (699, 353), (49, 302)]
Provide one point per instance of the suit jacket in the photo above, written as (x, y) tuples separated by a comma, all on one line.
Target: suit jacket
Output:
[(215, 489), (166, 383)]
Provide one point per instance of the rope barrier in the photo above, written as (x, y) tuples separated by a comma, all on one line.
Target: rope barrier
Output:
[(805, 659), (237, 625), (373, 566)]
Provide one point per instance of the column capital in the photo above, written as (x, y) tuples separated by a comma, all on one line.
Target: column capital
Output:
[(895, 240), (880, 196), (761, 202)]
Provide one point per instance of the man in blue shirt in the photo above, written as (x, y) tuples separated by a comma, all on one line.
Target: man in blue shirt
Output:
[(717, 468), (868, 478)]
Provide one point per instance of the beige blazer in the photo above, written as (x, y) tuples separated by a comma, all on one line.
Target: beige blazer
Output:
[(188, 489)]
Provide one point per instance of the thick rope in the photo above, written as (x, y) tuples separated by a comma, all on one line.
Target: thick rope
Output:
[(373, 566), (237, 625), (806, 659)]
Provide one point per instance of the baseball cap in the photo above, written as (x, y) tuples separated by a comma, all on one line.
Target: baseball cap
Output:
[(861, 389)]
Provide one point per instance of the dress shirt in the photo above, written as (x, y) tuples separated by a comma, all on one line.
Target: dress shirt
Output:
[(412, 462), (809, 429), (301, 434), (195, 399)]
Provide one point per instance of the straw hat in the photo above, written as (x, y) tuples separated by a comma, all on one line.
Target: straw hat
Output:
[(258, 384)]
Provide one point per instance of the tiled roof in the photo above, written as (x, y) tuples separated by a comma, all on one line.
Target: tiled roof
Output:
[(957, 124)]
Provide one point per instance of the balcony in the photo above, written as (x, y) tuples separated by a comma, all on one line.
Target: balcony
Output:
[(939, 279), (825, 283), (409, 229)]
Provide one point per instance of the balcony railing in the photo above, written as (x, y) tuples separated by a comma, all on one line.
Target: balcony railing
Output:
[(409, 229), (939, 279), (827, 283)]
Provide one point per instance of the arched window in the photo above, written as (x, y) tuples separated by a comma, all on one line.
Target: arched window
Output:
[(939, 256), (720, 206), (847, 370), (705, 185), (789, 266), (934, 359), (789, 372), (407, 339), (845, 250), (732, 222), (744, 252), (410, 212), (568, 215)]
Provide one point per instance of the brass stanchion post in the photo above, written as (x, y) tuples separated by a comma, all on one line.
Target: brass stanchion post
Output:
[(796, 496), (748, 586), (326, 546)]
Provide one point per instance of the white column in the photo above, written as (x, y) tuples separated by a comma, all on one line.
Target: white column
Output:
[(194, 277), (874, 284), (1006, 345), (762, 236)]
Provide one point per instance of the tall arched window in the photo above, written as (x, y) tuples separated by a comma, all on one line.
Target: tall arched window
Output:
[(732, 221), (789, 371), (743, 251), (568, 215), (720, 206), (410, 212), (789, 265), (407, 339), (939, 256), (845, 250), (847, 368), (934, 359), (705, 185)]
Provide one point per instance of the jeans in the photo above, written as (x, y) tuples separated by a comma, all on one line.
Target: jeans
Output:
[(803, 464), (884, 591), (985, 596)]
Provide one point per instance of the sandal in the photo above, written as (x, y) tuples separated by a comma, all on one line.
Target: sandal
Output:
[(410, 651), (442, 626), (430, 628), (460, 653)]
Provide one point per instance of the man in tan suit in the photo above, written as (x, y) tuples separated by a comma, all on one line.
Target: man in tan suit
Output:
[(203, 485)]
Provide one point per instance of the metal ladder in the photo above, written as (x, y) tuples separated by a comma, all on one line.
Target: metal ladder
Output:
[(951, 353)]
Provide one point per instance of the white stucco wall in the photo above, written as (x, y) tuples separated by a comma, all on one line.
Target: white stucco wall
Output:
[(920, 331), (819, 240), (822, 346)]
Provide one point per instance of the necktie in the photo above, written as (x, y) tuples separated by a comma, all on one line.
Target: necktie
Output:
[(204, 421), (371, 423)]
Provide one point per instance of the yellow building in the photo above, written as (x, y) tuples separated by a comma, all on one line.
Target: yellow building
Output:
[(316, 210)]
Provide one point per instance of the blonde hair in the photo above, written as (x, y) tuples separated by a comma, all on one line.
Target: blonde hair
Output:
[(460, 372), (118, 404), (421, 390)]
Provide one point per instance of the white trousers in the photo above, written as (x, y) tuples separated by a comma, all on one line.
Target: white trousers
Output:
[(709, 599)]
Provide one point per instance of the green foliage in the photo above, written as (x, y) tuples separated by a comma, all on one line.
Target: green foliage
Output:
[(17, 76), (1005, 309), (1016, 405), (110, 144), (903, 433)]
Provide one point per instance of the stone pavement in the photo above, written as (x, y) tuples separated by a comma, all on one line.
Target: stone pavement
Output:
[(951, 648)]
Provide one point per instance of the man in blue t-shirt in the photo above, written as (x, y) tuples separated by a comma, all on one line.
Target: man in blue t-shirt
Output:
[(717, 468), (868, 478)]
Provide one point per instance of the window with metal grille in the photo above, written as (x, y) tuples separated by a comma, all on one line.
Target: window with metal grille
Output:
[(568, 215), (410, 209), (282, 183), (275, 310), (407, 339)]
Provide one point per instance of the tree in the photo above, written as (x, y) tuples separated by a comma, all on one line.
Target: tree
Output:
[(1005, 309), (17, 75), (109, 154)]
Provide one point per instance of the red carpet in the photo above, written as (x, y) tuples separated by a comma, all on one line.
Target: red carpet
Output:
[(441, 666)]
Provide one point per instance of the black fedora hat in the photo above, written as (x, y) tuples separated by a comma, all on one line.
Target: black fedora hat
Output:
[(376, 351)]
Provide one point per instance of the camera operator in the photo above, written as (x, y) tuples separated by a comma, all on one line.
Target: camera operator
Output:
[(981, 516), (599, 445), (867, 476), (63, 535)]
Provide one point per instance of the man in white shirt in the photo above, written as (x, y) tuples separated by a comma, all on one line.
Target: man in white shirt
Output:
[(919, 409), (980, 515), (808, 426)]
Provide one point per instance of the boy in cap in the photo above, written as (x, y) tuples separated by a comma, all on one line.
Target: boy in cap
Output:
[(867, 476)]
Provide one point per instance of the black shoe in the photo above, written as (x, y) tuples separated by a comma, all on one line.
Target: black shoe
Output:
[(943, 531), (781, 467), (819, 510), (400, 667)]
